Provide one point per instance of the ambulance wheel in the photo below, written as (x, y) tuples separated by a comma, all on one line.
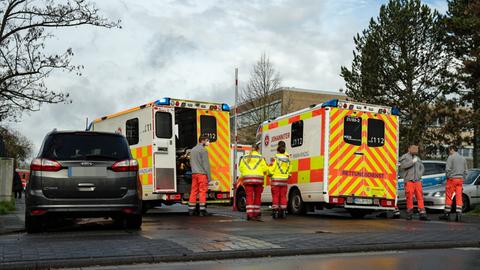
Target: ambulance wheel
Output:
[(241, 200), (296, 206)]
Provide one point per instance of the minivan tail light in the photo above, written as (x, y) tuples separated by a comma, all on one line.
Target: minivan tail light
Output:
[(127, 165), (46, 165)]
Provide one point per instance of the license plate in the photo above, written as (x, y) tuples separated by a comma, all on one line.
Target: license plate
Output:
[(362, 201), (87, 172)]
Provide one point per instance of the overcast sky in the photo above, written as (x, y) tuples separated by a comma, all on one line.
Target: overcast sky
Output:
[(189, 49)]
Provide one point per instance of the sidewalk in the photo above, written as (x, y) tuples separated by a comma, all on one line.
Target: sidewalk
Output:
[(14, 222)]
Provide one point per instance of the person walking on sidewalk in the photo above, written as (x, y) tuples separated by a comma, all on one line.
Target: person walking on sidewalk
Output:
[(17, 186), (200, 176), (411, 169), (280, 172), (253, 168), (456, 172)]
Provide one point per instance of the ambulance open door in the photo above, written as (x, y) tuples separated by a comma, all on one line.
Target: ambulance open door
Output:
[(164, 151)]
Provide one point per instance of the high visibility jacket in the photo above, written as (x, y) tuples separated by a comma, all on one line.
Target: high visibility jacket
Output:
[(252, 168), (280, 170)]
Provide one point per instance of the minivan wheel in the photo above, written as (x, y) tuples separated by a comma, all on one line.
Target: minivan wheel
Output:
[(133, 222), (33, 224)]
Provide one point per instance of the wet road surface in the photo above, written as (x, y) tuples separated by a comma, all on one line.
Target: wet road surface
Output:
[(458, 259)]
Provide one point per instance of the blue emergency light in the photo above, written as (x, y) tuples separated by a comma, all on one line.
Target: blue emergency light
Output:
[(225, 107), (330, 103), (163, 101), (395, 111)]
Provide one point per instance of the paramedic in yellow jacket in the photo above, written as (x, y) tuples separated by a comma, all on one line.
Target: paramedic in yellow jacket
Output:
[(279, 173), (253, 168)]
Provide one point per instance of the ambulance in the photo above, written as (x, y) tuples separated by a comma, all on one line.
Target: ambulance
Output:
[(343, 154), (161, 135)]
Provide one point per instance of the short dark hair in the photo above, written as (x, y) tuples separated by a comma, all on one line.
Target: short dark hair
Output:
[(282, 143), (281, 149), (202, 138), (256, 146), (453, 147)]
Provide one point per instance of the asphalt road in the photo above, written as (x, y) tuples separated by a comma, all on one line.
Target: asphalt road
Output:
[(462, 258)]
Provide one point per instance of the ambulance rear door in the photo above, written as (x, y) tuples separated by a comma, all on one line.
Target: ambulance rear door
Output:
[(164, 149), (216, 126)]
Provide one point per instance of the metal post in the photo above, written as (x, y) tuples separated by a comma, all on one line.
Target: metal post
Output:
[(235, 135)]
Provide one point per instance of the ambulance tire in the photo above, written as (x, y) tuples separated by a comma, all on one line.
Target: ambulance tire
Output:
[(296, 206), (241, 200)]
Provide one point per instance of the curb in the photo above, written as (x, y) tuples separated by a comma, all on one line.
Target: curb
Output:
[(149, 259)]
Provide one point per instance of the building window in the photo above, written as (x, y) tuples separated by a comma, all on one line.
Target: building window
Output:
[(297, 134), (252, 116), (375, 133), (131, 131), (163, 125), (208, 127), (352, 130)]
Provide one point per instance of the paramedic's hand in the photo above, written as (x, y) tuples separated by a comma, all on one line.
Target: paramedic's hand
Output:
[(415, 159)]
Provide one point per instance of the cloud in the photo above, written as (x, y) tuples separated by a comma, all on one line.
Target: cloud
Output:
[(189, 49)]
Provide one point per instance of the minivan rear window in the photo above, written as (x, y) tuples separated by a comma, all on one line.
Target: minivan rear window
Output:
[(85, 146)]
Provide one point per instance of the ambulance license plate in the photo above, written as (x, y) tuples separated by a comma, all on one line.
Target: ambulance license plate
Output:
[(362, 201)]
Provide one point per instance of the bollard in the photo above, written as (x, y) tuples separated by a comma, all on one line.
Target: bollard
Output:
[(6, 178)]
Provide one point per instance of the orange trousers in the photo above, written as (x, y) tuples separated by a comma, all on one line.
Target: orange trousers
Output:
[(200, 188), (454, 185), (414, 188)]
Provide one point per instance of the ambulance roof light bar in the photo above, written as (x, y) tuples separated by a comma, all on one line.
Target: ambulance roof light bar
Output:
[(225, 107), (330, 103), (163, 101), (395, 111)]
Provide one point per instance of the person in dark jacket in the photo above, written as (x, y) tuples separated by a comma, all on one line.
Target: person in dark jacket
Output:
[(17, 186)]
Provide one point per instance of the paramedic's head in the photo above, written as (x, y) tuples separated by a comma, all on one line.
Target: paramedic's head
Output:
[(281, 148), (413, 149), (203, 139), (452, 149), (282, 143)]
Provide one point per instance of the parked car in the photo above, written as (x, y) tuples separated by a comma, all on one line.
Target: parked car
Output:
[(434, 175), (83, 174), (434, 197)]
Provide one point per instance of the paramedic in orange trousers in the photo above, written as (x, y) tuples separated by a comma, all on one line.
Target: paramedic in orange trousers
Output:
[(456, 171), (253, 168), (200, 176), (411, 169)]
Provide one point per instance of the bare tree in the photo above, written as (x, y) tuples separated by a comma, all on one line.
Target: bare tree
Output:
[(24, 64), (256, 98)]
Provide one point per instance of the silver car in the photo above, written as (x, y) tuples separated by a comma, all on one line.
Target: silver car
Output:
[(434, 196)]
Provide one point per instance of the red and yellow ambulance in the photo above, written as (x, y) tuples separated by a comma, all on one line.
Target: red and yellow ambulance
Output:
[(342, 154)]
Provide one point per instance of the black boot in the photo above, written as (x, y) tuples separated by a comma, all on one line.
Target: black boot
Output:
[(409, 215), (424, 217), (203, 213), (458, 218), (283, 213), (191, 212), (274, 213), (445, 216)]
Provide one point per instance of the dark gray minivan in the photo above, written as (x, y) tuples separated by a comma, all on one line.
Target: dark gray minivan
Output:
[(83, 174)]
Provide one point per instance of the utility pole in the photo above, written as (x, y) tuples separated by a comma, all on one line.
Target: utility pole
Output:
[(235, 135)]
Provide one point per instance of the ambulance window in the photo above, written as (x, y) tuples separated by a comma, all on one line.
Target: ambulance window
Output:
[(352, 130), (131, 131), (208, 127), (297, 134), (163, 125), (376, 133)]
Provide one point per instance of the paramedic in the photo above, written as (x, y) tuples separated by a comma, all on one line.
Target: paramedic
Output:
[(279, 172), (253, 168), (456, 172), (200, 176), (411, 169)]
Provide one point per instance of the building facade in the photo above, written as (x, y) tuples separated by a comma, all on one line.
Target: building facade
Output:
[(279, 102)]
